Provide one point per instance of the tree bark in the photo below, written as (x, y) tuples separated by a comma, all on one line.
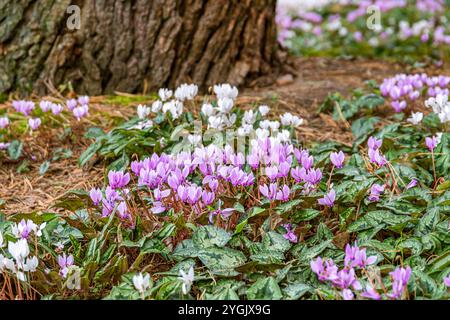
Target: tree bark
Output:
[(135, 45)]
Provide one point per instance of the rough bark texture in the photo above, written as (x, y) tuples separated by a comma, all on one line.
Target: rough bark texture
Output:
[(131, 45)]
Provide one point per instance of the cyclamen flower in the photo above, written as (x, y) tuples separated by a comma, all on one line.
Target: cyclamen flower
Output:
[(64, 263), (347, 294), (83, 100), (165, 94), (22, 106), (96, 196), (283, 194), (328, 199), (337, 158), (207, 109), (45, 105), (225, 213), (19, 249), (290, 235), (143, 111), (431, 143), (400, 277), (328, 272), (186, 92), (313, 176), (412, 184), (374, 143), (416, 118), (447, 281), (80, 112), (226, 91), (122, 210), (71, 104), (370, 293), (34, 123), (375, 191), (376, 157), (24, 228), (141, 283), (187, 279), (4, 122), (263, 110), (270, 191), (56, 108), (356, 257), (117, 179)]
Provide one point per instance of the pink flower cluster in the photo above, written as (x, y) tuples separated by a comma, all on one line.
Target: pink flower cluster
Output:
[(347, 281), (403, 88)]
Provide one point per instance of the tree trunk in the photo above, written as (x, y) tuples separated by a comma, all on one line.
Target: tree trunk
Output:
[(134, 45)]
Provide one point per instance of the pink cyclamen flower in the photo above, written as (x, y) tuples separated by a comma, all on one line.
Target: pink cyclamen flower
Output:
[(374, 143), (117, 179), (45, 105), (313, 176), (83, 100), (34, 123), (270, 191), (376, 157), (80, 112), (283, 193), (56, 108), (347, 294), (290, 235), (96, 196), (447, 281), (400, 278), (431, 143), (370, 293), (328, 272), (4, 122), (412, 184), (71, 104), (122, 211), (22, 106), (4, 145), (64, 263), (337, 158), (375, 191), (328, 199)]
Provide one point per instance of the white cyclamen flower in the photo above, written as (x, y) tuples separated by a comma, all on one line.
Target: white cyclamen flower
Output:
[(215, 122), (165, 94), (39, 229), (195, 139), (265, 124), (157, 106), (286, 119), (249, 117), (187, 278), (31, 264), (207, 109), (416, 118), (296, 121), (274, 125), (225, 105), (264, 110), (186, 92), (19, 250), (226, 91), (143, 111), (141, 283)]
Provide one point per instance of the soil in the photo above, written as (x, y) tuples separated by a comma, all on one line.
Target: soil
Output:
[(300, 93)]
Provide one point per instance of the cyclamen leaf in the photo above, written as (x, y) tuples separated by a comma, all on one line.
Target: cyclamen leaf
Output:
[(265, 289)]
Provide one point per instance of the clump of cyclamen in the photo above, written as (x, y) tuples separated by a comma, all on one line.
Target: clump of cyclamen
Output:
[(348, 281)]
